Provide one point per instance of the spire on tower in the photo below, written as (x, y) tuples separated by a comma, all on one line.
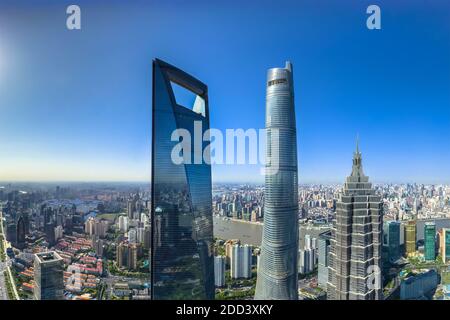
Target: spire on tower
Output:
[(357, 170), (357, 143)]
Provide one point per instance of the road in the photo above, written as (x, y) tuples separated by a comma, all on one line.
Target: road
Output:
[(7, 264), (3, 293)]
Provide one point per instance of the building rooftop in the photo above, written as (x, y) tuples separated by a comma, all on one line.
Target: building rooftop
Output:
[(48, 256)]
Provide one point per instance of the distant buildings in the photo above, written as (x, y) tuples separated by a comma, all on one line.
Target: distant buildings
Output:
[(430, 241), (48, 276), (95, 227), (241, 261), (219, 271), (278, 271), (410, 237), (182, 254), (355, 255), (391, 240)]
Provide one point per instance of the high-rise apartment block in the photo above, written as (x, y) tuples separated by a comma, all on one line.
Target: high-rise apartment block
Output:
[(241, 261), (219, 271)]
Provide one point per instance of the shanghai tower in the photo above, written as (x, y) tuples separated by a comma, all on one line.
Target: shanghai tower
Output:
[(277, 272)]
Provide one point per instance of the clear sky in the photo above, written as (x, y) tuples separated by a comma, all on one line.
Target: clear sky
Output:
[(76, 105)]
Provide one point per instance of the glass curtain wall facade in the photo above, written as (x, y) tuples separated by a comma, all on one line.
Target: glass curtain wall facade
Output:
[(277, 272), (392, 240), (430, 241), (182, 260)]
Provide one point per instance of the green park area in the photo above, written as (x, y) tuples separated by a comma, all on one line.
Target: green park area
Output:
[(237, 289), (9, 288), (2, 250), (108, 216)]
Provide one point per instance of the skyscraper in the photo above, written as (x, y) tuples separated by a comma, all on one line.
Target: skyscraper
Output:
[(410, 237), (430, 241), (391, 240), (324, 249), (355, 254), (48, 276), (182, 255), (277, 274)]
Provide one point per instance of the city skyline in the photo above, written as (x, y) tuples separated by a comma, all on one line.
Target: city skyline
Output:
[(85, 116)]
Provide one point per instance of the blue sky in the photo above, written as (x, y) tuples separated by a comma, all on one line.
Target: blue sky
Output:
[(76, 105)]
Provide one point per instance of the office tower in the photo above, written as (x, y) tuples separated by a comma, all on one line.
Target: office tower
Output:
[(48, 276), (11, 231), (20, 237), (445, 245), (181, 216), (323, 249), (49, 230), (410, 237), (277, 275), (355, 254), (219, 271), (241, 262), (430, 241), (391, 240)]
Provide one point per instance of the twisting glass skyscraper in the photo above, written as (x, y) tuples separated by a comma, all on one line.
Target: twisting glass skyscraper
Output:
[(355, 255), (182, 265), (277, 274)]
